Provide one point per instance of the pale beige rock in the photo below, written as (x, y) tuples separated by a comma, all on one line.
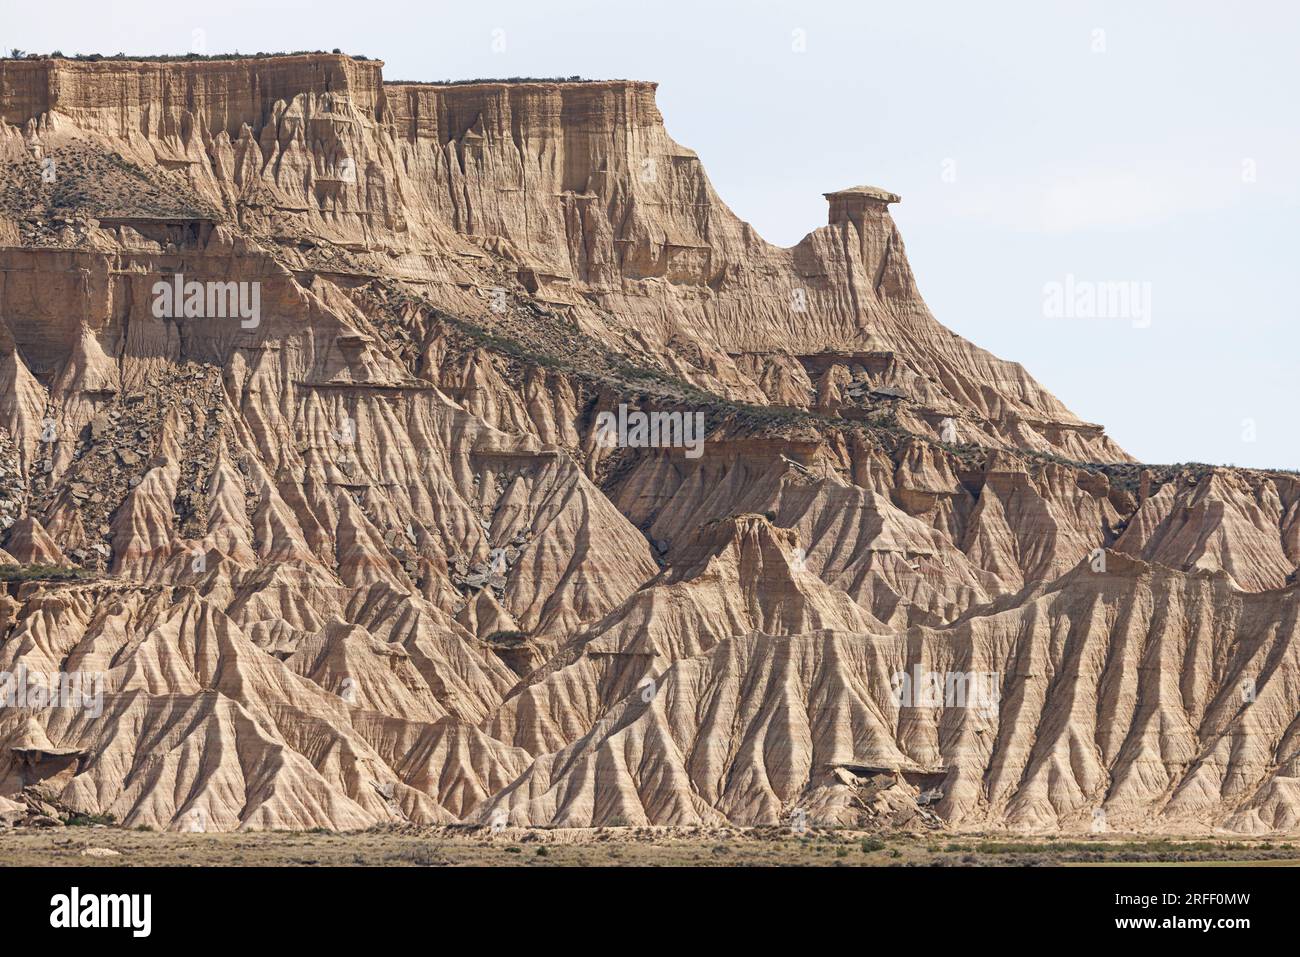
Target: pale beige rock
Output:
[(366, 561), (100, 852)]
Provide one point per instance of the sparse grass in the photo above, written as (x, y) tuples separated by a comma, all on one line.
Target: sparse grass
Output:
[(90, 820), (507, 637), (418, 855), (25, 573), (462, 845)]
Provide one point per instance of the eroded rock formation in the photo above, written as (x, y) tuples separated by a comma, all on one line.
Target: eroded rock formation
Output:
[(342, 541)]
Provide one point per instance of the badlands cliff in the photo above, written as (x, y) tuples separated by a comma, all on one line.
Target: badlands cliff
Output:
[(356, 552)]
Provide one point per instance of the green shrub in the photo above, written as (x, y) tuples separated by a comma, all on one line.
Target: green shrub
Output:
[(90, 820), (25, 573)]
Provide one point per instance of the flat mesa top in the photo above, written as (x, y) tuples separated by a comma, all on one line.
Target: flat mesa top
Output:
[(866, 192)]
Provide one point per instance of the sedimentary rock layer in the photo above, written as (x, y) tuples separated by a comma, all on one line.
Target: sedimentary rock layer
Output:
[(356, 549)]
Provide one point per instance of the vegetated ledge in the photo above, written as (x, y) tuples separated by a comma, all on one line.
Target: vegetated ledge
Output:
[(44, 573), (635, 381)]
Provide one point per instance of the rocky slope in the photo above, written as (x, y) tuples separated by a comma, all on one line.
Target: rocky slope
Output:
[(360, 550)]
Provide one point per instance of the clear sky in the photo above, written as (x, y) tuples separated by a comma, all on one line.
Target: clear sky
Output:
[(1034, 143)]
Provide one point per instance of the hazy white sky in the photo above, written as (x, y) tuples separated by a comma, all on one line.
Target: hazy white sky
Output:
[(1148, 142)]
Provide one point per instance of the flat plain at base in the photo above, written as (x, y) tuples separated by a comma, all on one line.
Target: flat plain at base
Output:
[(616, 847)]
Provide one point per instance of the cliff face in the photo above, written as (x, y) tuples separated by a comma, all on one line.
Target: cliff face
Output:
[(580, 187), (159, 100), (362, 553)]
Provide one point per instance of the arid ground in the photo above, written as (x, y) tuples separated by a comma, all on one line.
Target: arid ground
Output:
[(615, 847)]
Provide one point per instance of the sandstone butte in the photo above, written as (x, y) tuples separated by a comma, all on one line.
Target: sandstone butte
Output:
[(365, 560)]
